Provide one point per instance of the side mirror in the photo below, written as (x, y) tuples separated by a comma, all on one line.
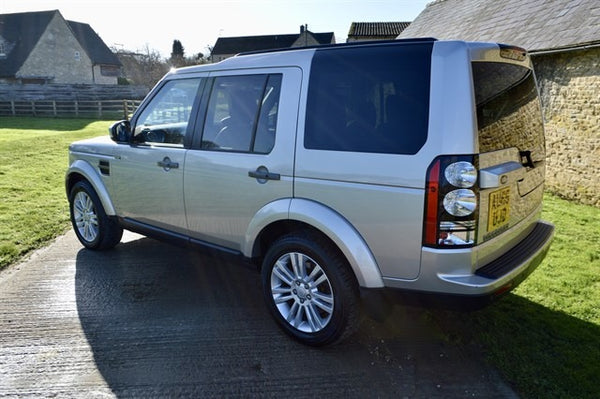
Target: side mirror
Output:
[(120, 131)]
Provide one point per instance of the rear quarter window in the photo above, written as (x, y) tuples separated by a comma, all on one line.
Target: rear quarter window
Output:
[(369, 99)]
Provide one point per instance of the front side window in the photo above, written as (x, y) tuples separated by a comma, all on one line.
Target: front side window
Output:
[(165, 119), (369, 99), (242, 113)]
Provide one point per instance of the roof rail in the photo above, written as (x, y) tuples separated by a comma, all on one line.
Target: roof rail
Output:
[(341, 45)]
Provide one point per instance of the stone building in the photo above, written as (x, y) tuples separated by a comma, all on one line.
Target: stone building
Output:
[(226, 47), (364, 31), (42, 47), (563, 38)]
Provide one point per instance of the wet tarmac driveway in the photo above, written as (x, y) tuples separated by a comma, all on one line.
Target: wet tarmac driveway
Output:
[(152, 320)]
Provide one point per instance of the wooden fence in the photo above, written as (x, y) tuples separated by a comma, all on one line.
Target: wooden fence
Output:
[(102, 109)]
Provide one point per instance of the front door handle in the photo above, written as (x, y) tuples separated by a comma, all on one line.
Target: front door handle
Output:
[(167, 165), (262, 174)]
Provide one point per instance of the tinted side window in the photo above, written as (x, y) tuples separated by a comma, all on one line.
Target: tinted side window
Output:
[(242, 113), (166, 117), (369, 99), (267, 121)]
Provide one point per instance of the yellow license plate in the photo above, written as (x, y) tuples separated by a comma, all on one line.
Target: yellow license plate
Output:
[(499, 209)]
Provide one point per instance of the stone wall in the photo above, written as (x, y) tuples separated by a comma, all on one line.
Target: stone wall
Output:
[(58, 54), (570, 89)]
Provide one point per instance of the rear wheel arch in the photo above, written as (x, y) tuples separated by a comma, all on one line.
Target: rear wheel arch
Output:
[(306, 216)]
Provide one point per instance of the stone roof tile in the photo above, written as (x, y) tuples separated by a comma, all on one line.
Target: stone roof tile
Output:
[(533, 24), (375, 29)]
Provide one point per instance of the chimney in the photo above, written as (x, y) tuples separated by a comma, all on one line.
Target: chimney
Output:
[(301, 29)]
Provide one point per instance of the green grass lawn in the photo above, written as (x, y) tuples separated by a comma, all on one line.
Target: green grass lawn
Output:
[(544, 337), (33, 161)]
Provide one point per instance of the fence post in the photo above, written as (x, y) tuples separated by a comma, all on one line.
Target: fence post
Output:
[(12, 108), (124, 109), (76, 108), (99, 109), (33, 108), (54, 107)]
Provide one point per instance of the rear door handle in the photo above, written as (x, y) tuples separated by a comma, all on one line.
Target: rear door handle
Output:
[(167, 164), (262, 174)]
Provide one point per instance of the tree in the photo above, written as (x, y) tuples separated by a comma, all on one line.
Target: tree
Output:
[(177, 54), (143, 67)]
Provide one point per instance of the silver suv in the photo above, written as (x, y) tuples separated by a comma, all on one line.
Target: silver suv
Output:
[(344, 172)]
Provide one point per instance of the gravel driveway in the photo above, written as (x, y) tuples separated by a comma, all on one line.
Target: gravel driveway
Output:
[(151, 320)]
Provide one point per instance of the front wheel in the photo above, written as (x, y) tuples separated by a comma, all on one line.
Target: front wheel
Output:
[(310, 290), (94, 229)]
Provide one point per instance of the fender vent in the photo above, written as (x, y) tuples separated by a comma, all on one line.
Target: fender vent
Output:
[(104, 167)]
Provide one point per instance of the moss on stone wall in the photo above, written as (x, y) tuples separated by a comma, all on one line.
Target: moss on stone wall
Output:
[(569, 85)]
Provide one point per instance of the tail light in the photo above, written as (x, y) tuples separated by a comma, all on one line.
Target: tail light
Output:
[(451, 202)]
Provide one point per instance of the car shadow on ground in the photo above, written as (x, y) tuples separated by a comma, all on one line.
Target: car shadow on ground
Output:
[(544, 353), (168, 321)]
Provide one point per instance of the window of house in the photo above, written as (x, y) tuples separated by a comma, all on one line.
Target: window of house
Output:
[(370, 99), (109, 70), (77, 56), (242, 113)]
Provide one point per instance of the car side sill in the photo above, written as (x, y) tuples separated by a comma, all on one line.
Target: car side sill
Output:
[(174, 238)]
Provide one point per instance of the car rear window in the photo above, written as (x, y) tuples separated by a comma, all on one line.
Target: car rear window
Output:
[(508, 109), (369, 99)]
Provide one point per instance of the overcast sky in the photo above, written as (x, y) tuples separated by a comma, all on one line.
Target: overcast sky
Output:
[(133, 24)]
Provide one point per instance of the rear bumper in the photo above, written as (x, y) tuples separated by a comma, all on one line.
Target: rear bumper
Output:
[(450, 275), (478, 290)]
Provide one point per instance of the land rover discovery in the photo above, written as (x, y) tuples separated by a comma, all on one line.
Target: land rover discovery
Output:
[(409, 165)]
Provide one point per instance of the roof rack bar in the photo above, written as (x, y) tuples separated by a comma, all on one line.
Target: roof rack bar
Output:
[(341, 45)]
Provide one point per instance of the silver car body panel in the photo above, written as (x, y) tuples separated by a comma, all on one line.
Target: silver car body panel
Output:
[(145, 191), (341, 232), (84, 160)]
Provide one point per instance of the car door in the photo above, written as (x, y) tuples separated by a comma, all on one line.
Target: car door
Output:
[(244, 159), (148, 173)]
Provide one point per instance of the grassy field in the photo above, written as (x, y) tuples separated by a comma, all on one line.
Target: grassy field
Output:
[(544, 337), (33, 161)]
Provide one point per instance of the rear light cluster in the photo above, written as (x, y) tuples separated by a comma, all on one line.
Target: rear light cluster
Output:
[(451, 202)]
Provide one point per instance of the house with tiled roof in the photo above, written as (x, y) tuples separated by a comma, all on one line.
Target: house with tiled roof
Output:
[(43, 47), (226, 47), (364, 31), (563, 38)]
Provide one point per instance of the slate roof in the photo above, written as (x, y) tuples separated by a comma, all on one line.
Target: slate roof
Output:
[(11, 31), (536, 25), (22, 42), (376, 29), (234, 45), (95, 48)]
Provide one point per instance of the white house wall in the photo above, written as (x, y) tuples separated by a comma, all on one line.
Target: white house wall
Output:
[(101, 79)]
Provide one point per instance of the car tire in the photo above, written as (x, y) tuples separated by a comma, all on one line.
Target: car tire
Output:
[(310, 290), (94, 229)]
